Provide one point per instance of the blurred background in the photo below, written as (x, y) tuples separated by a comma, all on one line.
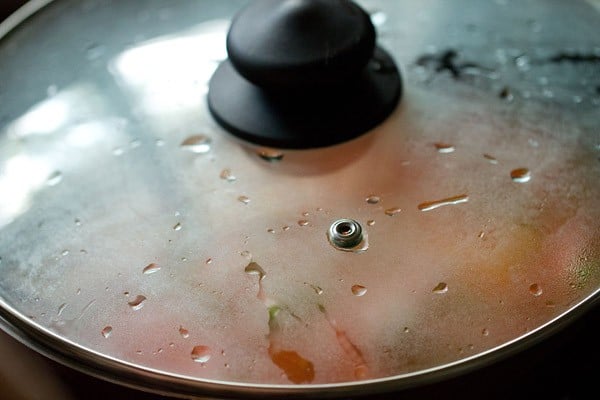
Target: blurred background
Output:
[(563, 367), (8, 6)]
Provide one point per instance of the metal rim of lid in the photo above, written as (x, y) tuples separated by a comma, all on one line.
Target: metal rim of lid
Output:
[(94, 364)]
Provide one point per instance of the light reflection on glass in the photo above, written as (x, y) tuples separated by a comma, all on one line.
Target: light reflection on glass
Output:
[(56, 113), (20, 177), (44, 119), (171, 73), (48, 140), (166, 75), (86, 134)]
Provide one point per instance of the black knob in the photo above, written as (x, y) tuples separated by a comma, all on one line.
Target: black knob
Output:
[(303, 74), (294, 44)]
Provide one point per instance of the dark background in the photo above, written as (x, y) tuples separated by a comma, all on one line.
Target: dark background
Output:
[(8, 6), (565, 366)]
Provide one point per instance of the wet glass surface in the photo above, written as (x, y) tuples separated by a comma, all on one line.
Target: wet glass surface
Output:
[(486, 219)]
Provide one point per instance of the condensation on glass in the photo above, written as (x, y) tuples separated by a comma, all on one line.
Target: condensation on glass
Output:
[(133, 228)]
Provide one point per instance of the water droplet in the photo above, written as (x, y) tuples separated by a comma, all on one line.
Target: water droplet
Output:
[(64, 253), (372, 199), (117, 151), (150, 269), (491, 159), (94, 51), (506, 94), (359, 290), (199, 144), (177, 227), (536, 289), (440, 288), (246, 254), (255, 269), (371, 222), (52, 91), (406, 330), (226, 175), (270, 155), (244, 199), (485, 332), (535, 26), (61, 308), (522, 63), (200, 354), (135, 143), (444, 148), (209, 261), (432, 205), (159, 142), (520, 175), (184, 332), (305, 214), (577, 99), (393, 211), (286, 228), (303, 222), (138, 302), (54, 179), (317, 289), (106, 331), (481, 235)]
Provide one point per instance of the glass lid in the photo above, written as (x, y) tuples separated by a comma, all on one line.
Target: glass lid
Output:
[(143, 243)]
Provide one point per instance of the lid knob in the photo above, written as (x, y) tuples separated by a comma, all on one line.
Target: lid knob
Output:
[(289, 45), (303, 74)]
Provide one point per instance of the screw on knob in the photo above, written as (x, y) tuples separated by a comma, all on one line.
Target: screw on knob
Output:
[(298, 43), (303, 74)]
